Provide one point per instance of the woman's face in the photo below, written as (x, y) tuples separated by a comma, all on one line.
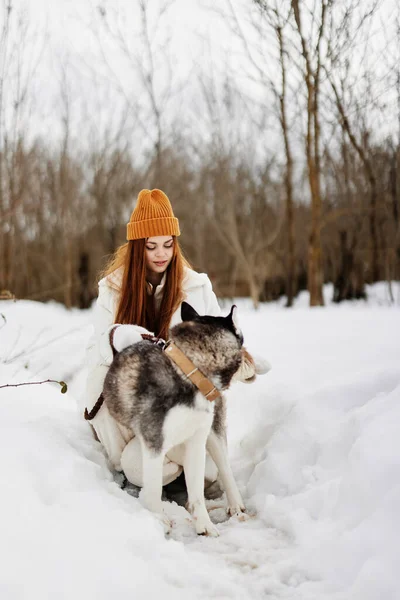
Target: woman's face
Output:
[(159, 250)]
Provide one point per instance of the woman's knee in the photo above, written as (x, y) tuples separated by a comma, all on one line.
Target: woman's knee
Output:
[(131, 462)]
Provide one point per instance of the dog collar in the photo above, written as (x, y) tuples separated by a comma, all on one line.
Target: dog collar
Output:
[(206, 387)]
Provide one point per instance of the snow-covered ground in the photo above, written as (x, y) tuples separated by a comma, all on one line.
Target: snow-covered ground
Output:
[(315, 447)]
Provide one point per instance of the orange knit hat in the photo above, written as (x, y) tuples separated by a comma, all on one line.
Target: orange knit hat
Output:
[(152, 216)]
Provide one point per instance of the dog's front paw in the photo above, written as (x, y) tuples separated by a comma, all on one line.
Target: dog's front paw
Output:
[(238, 511), (165, 522), (157, 510), (206, 528), (202, 521)]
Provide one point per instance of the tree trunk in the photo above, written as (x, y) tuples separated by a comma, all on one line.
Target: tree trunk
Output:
[(6, 259), (291, 273), (315, 270), (254, 290), (68, 276), (315, 276), (83, 273), (311, 77), (394, 178), (373, 230), (290, 284)]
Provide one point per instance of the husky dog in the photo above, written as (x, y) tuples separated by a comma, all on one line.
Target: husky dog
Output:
[(149, 394)]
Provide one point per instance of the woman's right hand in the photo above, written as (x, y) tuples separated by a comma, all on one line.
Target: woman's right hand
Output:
[(126, 335)]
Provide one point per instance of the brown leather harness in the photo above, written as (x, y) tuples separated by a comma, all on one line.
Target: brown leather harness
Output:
[(204, 385)]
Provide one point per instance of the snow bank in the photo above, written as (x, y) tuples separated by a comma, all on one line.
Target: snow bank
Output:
[(320, 457), (315, 449)]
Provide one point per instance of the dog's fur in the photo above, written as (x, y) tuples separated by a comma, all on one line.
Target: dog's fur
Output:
[(147, 393)]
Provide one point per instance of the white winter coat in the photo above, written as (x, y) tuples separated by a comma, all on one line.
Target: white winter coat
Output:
[(199, 294)]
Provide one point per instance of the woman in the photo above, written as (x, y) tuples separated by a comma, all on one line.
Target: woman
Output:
[(141, 291)]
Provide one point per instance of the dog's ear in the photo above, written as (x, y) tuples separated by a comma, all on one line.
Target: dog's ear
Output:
[(188, 313), (233, 322)]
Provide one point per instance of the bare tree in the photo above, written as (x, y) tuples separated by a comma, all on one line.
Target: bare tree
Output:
[(243, 217), (279, 23), (312, 55), (275, 16), (20, 54), (148, 80), (350, 32), (371, 179)]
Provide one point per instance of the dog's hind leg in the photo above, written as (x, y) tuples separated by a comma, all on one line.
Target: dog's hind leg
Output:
[(194, 465), (150, 496), (216, 446)]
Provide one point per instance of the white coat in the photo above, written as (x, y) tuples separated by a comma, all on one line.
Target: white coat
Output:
[(198, 293)]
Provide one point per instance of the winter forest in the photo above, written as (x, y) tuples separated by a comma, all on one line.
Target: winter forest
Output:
[(274, 128)]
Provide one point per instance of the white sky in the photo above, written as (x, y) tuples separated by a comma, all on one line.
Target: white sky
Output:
[(63, 35)]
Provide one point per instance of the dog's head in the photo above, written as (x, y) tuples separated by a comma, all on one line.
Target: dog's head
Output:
[(229, 322), (214, 344)]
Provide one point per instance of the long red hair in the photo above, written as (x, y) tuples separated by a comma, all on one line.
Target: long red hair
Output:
[(136, 305)]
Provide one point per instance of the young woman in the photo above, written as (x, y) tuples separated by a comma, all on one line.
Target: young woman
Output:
[(141, 291)]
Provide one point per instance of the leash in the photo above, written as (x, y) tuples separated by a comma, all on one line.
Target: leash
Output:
[(203, 384), (90, 415)]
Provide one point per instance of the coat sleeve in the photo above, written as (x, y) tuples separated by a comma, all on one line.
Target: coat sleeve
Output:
[(99, 353), (99, 356), (210, 300), (99, 350), (111, 434)]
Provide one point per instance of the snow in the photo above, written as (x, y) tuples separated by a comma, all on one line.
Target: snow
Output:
[(314, 446)]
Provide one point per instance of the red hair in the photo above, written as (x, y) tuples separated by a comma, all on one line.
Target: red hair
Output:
[(136, 305)]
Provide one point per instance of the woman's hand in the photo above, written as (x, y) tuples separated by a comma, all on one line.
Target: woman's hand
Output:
[(251, 366), (262, 366), (126, 335)]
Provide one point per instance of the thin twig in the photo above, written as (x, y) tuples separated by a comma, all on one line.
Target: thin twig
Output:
[(62, 383)]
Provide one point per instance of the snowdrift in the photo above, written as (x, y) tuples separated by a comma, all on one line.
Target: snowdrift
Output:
[(315, 447)]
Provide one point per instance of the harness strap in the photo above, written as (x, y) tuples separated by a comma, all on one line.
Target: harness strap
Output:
[(206, 387)]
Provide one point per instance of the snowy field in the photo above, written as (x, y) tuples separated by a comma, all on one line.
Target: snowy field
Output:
[(315, 447)]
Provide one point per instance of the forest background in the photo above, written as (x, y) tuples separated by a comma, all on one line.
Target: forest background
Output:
[(273, 126)]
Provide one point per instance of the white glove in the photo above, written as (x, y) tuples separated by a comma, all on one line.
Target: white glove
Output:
[(250, 367), (246, 371), (126, 335), (262, 366)]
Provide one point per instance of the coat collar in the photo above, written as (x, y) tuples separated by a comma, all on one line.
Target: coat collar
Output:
[(192, 279)]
